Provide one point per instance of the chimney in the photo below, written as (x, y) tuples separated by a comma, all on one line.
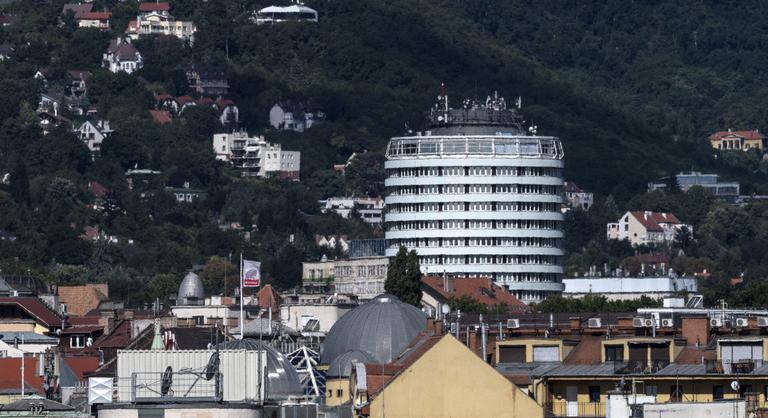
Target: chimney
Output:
[(695, 328), (575, 322), (448, 284), (106, 321)]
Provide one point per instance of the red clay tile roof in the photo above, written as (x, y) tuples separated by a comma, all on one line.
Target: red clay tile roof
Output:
[(35, 308), (118, 337), (222, 103), (163, 97), (79, 75), (755, 134), (205, 101), (586, 352), (693, 355), (82, 329), (97, 189), (482, 289), (571, 187), (652, 220), (82, 299), (10, 374), (264, 296), (161, 116), (182, 100), (132, 26), (81, 365), (152, 7), (520, 379), (96, 16)]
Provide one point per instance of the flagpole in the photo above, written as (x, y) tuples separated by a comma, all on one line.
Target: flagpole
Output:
[(242, 323)]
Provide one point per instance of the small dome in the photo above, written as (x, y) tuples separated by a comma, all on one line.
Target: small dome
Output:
[(282, 379), (191, 291), (382, 328), (341, 366)]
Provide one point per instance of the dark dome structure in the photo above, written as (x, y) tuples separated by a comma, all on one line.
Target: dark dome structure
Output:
[(382, 328), (191, 291), (282, 379), (341, 366)]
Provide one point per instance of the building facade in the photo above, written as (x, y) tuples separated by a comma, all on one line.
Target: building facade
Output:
[(646, 228), (727, 191), (256, 157), (737, 140), (363, 277), (369, 209), (628, 288), (477, 196), (122, 56)]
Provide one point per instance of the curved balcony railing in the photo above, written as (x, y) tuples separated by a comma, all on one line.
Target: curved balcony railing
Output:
[(546, 147)]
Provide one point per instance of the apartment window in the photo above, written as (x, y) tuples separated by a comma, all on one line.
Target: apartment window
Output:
[(651, 390), (718, 392), (77, 341), (594, 393), (339, 392), (199, 320), (512, 354), (614, 353)]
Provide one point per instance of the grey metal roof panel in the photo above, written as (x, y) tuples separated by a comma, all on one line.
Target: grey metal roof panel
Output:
[(605, 369), (382, 327), (341, 366), (282, 379), (27, 337), (683, 370), (191, 290)]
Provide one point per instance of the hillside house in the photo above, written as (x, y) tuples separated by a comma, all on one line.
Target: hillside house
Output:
[(155, 19), (121, 55), (93, 134), (294, 116), (256, 157), (97, 20), (211, 81), (646, 228), (737, 140), (279, 14), (577, 198), (78, 10)]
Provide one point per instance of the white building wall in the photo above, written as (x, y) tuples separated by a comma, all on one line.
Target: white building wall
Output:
[(295, 316), (489, 214), (622, 288)]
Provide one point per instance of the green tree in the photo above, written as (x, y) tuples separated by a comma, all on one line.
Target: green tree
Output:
[(19, 187), (404, 277), (216, 270)]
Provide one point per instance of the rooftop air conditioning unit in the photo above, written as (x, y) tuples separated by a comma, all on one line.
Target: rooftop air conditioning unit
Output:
[(594, 323), (513, 323), (638, 322), (716, 322), (667, 323), (649, 322), (762, 321), (742, 322)]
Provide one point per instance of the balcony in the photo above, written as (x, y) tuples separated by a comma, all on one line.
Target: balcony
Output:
[(481, 145), (574, 409)]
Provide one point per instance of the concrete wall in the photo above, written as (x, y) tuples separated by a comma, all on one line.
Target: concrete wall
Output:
[(618, 288), (290, 315), (733, 409), (179, 412), (450, 381)]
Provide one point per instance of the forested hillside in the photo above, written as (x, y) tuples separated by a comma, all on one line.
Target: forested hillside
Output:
[(632, 88)]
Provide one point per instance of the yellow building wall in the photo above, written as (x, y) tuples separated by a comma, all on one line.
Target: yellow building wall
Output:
[(695, 389), (451, 381), (23, 327), (332, 388), (529, 343)]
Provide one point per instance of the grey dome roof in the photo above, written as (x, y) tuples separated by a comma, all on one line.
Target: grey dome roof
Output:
[(382, 327), (341, 366), (191, 291), (282, 379)]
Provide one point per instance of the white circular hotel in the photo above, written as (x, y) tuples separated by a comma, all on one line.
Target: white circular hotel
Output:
[(476, 196)]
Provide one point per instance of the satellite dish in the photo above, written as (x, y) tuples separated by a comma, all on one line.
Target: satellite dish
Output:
[(212, 367), (165, 384), (446, 309), (735, 385)]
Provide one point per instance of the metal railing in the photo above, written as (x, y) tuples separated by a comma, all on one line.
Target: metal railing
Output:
[(503, 146), (575, 409), (183, 386)]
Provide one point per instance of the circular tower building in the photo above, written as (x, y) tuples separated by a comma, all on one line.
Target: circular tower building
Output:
[(477, 196)]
